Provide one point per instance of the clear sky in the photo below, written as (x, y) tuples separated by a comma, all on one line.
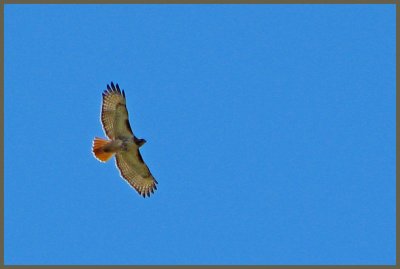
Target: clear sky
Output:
[(270, 129)]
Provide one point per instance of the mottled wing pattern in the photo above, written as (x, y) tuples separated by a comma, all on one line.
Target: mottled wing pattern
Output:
[(136, 172), (114, 115)]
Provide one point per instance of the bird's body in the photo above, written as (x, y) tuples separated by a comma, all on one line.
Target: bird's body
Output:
[(123, 143)]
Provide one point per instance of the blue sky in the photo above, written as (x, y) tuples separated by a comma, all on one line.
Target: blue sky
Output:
[(270, 129)]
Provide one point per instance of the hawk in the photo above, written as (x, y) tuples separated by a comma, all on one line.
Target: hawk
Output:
[(122, 143)]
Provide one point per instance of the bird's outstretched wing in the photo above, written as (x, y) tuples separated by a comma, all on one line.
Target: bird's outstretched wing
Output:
[(136, 172), (114, 115)]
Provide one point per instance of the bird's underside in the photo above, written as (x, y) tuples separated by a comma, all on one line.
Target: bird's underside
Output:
[(122, 143)]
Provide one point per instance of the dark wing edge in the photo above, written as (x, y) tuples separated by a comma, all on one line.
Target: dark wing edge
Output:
[(113, 89)]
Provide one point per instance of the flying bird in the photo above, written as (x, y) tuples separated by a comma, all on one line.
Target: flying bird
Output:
[(122, 143)]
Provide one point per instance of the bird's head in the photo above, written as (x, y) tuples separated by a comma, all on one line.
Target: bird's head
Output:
[(139, 141)]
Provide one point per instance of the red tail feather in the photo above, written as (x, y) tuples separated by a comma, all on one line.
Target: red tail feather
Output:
[(98, 145)]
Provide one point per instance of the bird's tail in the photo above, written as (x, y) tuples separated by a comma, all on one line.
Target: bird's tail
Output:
[(98, 149)]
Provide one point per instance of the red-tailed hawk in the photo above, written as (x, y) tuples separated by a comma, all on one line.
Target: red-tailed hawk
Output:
[(123, 143)]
